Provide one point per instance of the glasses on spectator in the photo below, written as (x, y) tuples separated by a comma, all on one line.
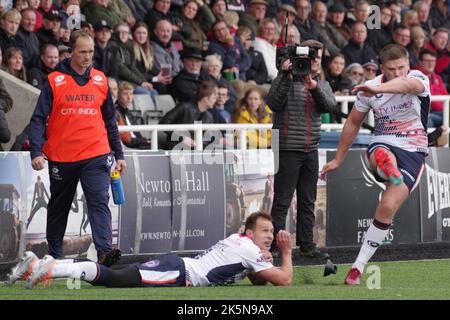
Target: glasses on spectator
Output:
[(356, 73), (370, 70)]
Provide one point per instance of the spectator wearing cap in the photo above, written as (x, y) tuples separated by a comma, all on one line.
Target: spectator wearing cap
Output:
[(165, 52), (104, 54), (185, 84), (415, 46), (254, 14), (194, 36), (340, 84), (332, 39), (257, 74), (438, 44), (9, 24), (126, 64), (379, 38), (233, 55), (265, 43), (427, 58), (27, 40), (370, 70), (307, 27), (97, 10), (358, 50), (336, 15), (49, 32), (280, 19), (46, 64)]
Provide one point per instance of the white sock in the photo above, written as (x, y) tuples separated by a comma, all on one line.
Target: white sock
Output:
[(372, 240), (81, 270)]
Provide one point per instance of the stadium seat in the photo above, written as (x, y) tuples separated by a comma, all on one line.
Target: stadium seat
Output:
[(164, 103), (145, 104)]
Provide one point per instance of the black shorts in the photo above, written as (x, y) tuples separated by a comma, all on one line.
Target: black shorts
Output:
[(410, 164), (167, 270)]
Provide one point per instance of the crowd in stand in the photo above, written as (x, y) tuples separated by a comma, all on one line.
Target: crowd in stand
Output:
[(222, 51)]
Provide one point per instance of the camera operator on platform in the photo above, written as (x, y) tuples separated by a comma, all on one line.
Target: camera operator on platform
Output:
[(298, 97)]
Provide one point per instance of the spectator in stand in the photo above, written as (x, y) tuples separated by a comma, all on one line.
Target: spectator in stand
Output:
[(280, 19), (64, 33), (26, 37), (160, 11), (370, 70), (104, 54), (46, 6), (20, 5), (355, 72), (213, 67), (410, 19), (254, 15), (46, 64), (218, 8), (143, 55), (67, 8), (165, 54), (113, 88), (402, 36), (5, 106), (257, 74), (9, 24), (332, 39), (252, 110), (185, 84), (189, 12), (427, 59), (423, 14), (232, 20), (97, 10), (49, 32), (379, 38), (293, 37), (439, 14), (219, 113), (336, 14), (361, 12), (34, 4), (304, 24), (14, 63), (358, 50), (438, 44), (416, 45), (124, 117), (265, 43), (123, 11), (126, 64), (189, 112), (232, 53), (340, 84), (396, 9), (64, 52)]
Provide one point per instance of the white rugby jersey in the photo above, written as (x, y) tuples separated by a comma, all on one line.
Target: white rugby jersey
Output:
[(400, 119), (226, 262)]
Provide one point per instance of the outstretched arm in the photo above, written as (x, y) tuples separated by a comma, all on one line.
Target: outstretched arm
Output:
[(349, 132), (396, 85), (278, 276)]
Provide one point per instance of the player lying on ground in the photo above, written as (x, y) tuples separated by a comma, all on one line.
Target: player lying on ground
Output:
[(400, 100), (228, 261)]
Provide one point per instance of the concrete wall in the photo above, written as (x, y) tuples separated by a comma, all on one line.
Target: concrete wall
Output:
[(25, 97)]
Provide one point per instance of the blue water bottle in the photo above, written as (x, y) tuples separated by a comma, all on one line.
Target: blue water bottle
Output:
[(117, 188)]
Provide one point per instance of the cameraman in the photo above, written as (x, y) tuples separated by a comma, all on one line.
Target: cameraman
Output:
[(297, 105)]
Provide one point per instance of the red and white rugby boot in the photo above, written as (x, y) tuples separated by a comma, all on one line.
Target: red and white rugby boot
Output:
[(385, 164), (353, 277), (23, 269)]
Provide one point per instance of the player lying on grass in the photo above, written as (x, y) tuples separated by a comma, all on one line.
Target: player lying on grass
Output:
[(400, 100), (228, 261)]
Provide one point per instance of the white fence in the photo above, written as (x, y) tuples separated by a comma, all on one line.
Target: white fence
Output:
[(198, 128)]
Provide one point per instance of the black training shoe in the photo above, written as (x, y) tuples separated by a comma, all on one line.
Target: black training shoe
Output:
[(314, 253), (109, 258)]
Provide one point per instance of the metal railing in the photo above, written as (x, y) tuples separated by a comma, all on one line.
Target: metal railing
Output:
[(198, 128)]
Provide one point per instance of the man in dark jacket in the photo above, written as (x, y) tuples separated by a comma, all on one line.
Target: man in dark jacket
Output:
[(104, 53), (27, 40), (358, 50), (297, 105), (190, 112), (185, 84), (45, 64), (5, 105)]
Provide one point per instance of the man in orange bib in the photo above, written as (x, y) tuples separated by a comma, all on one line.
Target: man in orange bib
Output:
[(74, 128)]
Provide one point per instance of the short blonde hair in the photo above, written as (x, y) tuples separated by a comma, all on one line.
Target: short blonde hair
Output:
[(12, 14), (231, 18), (124, 85)]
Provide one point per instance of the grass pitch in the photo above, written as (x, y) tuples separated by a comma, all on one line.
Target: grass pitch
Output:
[(425, 279)]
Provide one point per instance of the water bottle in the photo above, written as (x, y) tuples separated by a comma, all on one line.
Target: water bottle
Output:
[(117, 188)]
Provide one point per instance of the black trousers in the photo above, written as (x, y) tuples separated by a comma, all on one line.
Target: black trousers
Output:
[(298, 171)]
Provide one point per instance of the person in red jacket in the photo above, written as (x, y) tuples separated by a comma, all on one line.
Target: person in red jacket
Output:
[(427, 58), (74, 128)]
